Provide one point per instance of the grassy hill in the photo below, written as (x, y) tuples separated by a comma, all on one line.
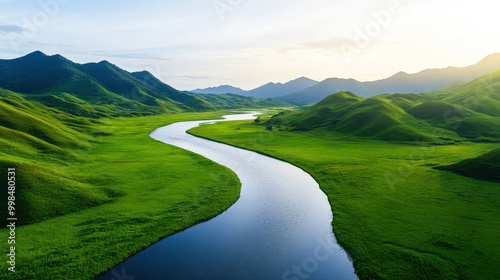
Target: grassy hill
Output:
[(234, 101), (346, 113), (103, 89), (103, 197), (55, 115), (485, 167), (466, 110), (34, 140)]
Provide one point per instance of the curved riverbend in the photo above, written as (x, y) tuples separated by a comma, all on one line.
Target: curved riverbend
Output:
[(280, 228)]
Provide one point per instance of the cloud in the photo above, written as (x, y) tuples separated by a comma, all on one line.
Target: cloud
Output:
[(143, 55), (335, 45), (8, 28)]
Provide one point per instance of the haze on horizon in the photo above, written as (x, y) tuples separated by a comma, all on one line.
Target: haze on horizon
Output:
[(196, 44)]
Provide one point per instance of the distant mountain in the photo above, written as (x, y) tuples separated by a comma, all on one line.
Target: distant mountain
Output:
[(424, 81), (99, 89), (466, 110), (273, 90), (231, 101), (269, 90), (219, 90)]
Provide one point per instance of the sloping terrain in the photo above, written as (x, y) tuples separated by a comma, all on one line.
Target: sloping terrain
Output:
[(36, 140), (485, 167), (103, 89), (467, 110)]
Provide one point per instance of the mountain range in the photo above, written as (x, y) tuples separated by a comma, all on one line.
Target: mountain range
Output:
[(461, 111), (103, 89), (269, 90), (306, 91), (220, 90)]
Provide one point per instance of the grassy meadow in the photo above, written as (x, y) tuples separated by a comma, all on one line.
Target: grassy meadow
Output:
[(130, 192), (393, 212)]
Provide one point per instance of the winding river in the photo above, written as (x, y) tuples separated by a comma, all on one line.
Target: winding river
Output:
[(280, 228)]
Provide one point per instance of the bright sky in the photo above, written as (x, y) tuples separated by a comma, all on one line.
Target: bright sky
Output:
[(247, 43)]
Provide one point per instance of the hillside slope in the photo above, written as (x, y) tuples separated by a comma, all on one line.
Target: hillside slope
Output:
[(485, 167), (34, 140), (467, 110), (99, 89)]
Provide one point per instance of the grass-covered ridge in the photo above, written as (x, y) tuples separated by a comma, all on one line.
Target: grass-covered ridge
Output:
[(104, 90), (484, 167), (397, 216), (469, 110), (92, 192), (118, 195)]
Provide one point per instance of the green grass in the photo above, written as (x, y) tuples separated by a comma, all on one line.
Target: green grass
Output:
[(397, 216), (485, 167), (110, 199)]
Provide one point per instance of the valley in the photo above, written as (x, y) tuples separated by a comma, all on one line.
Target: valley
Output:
[(397, 216), (411, 179)]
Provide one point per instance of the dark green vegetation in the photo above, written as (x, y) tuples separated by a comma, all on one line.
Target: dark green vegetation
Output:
[(232, 101), (92, 193), (397, 216), (462, 111), (103, 89), (485, 167)]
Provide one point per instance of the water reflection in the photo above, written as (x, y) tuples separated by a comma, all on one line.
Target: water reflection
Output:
[(280, 228)]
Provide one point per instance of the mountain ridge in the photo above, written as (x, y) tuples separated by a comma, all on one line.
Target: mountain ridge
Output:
[(103, 89), (424, 81), (269, 90), (464, 111)]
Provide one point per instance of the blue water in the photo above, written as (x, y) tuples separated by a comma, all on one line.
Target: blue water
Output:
[(280, 228)]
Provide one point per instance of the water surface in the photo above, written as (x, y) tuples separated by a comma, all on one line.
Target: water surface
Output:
[(280, 228)]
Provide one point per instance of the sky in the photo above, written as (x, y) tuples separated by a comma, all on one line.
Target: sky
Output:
[(246, 43)]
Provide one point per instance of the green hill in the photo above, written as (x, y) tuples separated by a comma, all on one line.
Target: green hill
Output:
[(234, 101), (485, 167), (439, 111), (35, 140), (481, 95), (344, 112), (103, 89), (464, 110)]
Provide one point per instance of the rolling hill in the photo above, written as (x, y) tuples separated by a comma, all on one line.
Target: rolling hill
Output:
[(467, 110), (424, 81), (35, 139), (485, 167), (51, 111), (98, 89)]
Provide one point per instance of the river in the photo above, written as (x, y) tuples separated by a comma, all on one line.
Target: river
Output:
[(280, 228)]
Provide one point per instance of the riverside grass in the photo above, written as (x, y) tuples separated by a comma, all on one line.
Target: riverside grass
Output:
[(397, 216), (157, 190)]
